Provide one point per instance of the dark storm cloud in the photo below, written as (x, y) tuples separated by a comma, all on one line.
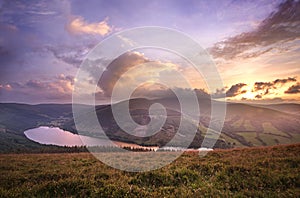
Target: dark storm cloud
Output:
[(294, 89), (236, 90), (281, 26), (118, 67)]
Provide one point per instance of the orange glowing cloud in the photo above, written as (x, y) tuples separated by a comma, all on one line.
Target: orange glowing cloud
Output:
[(79, 26)]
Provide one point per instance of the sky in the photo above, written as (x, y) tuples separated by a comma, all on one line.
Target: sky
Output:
[(254, 44)]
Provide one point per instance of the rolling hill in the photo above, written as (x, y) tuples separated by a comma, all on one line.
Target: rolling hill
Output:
[(245, 124)]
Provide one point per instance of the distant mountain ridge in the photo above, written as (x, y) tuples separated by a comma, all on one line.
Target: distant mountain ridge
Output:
[(245, 124)]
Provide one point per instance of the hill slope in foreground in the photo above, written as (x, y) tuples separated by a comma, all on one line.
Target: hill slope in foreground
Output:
[(249, 172)]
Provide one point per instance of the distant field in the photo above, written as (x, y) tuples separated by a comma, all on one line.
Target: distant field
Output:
[(249, 172)]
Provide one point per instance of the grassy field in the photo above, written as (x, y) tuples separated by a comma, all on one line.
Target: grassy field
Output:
[(249, 172)]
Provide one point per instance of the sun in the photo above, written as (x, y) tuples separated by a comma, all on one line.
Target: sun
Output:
[(248, 95)]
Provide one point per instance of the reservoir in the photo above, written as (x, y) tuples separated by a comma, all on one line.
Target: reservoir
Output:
[(59, 137)]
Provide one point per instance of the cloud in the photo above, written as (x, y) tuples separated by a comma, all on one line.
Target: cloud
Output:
[(258, 96), (272, 85), (5, 87), (294, 89), (116, 68), (281, 26), (268, 88), (264, 101), (34, 40), (12, 48), (236, 90), (112, 71), (72, 55), (79, 26), (26, 28), (286, 80), (58, 89), (156, 90), (220, 93), (262, 86), (35, 84), (132, 69), (61, 85)]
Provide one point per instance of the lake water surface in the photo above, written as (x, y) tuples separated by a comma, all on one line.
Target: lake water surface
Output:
[(57, 136)]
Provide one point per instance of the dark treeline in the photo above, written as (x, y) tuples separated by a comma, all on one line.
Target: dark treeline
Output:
[(75, 149), (136, 149), (47, 149)]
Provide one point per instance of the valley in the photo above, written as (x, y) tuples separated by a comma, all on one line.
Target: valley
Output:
[(246, 125)]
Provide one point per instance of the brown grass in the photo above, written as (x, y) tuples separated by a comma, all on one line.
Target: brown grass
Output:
[(250, 172)]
